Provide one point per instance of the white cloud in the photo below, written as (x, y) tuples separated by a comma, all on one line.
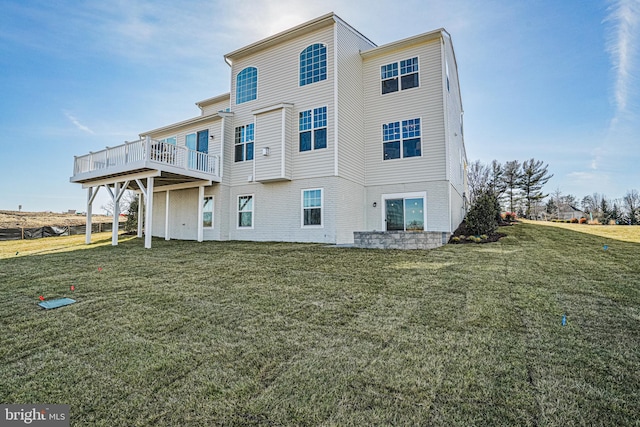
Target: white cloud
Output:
[(77, 124), (622, 44)]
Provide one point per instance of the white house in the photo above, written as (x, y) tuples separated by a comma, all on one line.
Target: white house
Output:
[(323, 134)]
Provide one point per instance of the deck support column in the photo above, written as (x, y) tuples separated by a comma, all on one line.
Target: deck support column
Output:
[(148, 220), (140, 219), (200, 212), (91, 195), (116, 215), (166, 217)]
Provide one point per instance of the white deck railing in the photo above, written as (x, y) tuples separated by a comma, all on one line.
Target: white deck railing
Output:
[(147, 150)]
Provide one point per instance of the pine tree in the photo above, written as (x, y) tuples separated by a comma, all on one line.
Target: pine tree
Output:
[(533, 176), (510, 178)]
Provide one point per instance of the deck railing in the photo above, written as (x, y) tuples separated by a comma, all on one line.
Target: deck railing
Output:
[(147, 150)]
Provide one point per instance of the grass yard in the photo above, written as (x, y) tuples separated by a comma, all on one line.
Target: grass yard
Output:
[(279, 334), (626, 233)]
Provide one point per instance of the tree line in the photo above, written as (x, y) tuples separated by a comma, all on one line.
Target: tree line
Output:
[(598, 207), (518, 187)]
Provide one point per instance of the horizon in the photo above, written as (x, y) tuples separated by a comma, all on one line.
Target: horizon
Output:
[(554, 82)]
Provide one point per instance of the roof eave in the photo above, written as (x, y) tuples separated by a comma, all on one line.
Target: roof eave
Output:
[(320, 22), (420, 38), (191, 121), (213, 100)]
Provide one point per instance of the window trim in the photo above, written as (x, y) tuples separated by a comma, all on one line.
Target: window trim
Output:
[(165, 140), (302, 208), (236, 86), (244, 143), (404, 196), (212, 226), (402, 139), (253, 211), (313, 129), (323, 76), (398, 77)]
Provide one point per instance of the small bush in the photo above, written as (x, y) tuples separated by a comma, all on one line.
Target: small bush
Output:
[(509, 216), (455, 239), (574, 220), (593, 222), (583, 220), (484, 237), (471, 238)]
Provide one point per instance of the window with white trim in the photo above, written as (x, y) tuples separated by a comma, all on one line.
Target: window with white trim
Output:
[(244, 143), (207, 212), (312, 205), (170, 140), (247, 85), (245, 211), (408, 78), (401, 142), (313, 64), (313, 129)]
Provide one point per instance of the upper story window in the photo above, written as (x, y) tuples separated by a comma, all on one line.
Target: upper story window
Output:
[(244, 143), (408, 78), (313, 129), (401, 142), (313, 64), (247, 85)]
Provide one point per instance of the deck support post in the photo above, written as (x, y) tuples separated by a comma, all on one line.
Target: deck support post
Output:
[(116, 215), (148, 220), (140, 219), (166, 217), (90, 196), (200, 212)]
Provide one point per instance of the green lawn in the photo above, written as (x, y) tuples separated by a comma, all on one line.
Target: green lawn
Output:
[(279, 334)]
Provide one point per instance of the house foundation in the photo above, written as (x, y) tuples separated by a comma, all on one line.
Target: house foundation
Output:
[(400, 239)]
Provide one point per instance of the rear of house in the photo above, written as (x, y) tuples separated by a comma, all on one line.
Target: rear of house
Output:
[(322, 134)]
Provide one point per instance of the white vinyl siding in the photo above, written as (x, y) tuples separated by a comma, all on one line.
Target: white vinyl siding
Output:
[(350, 97), (273, 153), (425, 101), (282, 220), (279, 82), (457, 158), (221, 104)]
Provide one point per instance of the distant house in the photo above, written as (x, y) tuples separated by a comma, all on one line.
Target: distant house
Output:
[(571, 212), (323, 134)]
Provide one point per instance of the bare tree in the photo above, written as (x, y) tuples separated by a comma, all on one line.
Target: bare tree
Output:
[(478, 177), (125, 202), (631, 202), (496, 183), (556, 197)]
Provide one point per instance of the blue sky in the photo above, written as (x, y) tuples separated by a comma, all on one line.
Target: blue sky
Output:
[(554, 80)]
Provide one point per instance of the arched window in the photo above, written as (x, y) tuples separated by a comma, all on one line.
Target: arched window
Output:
[(247, 85), (313, 64)]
